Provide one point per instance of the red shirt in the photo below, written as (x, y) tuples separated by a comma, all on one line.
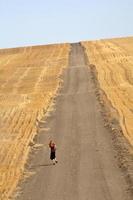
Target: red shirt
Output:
[(52, 147)]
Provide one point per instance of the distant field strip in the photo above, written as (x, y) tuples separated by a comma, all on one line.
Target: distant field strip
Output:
[(29, 78), (113, 60)]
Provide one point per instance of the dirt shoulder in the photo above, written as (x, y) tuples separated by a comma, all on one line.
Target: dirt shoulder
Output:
[(123, 149)]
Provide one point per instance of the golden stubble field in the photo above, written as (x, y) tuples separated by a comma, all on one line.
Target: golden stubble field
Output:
[(29, 78), (113, 60)]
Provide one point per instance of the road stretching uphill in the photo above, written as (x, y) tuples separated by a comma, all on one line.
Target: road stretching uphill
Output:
[(87, 168)]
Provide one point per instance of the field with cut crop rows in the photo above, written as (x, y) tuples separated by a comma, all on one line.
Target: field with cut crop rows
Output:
[(113, 60), (29, 78)]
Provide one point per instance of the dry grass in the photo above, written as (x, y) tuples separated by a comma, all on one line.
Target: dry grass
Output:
[(29, 78), (113, 60)]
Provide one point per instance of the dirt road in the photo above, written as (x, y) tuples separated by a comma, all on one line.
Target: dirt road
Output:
[(87, 168)]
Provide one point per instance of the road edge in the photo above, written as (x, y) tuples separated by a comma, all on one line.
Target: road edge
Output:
[(123, 149)]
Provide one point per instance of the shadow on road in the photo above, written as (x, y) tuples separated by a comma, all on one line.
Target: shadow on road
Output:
[(41, 165)]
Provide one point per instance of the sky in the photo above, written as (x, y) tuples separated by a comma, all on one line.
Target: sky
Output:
[(35, 22)]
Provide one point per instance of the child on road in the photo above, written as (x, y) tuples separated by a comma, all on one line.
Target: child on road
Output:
[(52, 147)]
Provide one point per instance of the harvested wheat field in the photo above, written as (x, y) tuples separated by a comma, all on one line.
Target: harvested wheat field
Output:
[(113, 60), (29, 78)]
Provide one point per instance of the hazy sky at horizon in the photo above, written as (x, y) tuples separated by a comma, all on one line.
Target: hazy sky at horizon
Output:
[(34, 22)]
